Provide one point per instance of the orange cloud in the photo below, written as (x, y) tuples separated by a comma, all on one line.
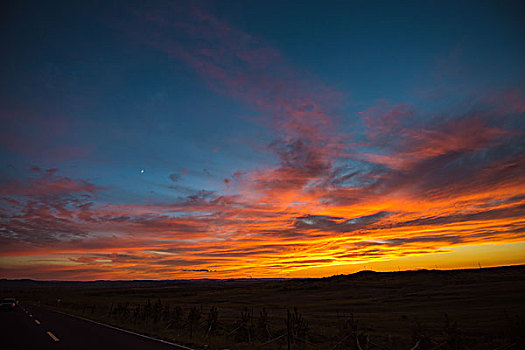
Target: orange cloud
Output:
[(410, 189)]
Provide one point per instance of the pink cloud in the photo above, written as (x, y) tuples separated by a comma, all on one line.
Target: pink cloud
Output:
[(36, 136), (47, 184), (385, 121), (406, 144), (446, 182)]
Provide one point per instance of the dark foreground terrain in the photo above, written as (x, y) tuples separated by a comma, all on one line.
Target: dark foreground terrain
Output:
[(34, 327), (461, 309)]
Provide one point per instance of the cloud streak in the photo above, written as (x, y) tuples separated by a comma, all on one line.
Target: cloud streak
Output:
[(409, 184)]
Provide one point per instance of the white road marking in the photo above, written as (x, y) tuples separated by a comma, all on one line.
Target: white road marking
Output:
[(37, 321), (52, 336), (125, 331)]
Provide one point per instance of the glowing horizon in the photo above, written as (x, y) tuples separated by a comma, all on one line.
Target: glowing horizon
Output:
[(253, 167)]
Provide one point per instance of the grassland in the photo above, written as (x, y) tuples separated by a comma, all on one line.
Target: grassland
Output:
[(461, 309)]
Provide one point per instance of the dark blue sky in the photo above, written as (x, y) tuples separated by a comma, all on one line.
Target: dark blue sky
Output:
[(212, 99)]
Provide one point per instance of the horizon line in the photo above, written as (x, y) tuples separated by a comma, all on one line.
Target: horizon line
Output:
[(267, 278)]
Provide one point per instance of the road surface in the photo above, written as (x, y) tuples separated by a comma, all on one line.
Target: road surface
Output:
[(33, 327)]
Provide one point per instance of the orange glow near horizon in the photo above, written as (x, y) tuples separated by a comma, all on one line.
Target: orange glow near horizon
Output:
[(388, 187), (284, 240)]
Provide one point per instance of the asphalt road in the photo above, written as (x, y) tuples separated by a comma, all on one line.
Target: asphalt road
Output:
[(32, 327)]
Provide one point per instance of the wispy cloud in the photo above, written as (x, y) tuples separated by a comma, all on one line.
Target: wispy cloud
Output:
[(410, 184), (39, 137)]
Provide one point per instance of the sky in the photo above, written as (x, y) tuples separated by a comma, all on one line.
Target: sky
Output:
[(238, 139)]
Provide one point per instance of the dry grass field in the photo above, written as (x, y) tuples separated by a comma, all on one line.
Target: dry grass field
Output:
[(460, 309)]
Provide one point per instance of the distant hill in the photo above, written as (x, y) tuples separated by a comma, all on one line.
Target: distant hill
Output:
[(29, 283)]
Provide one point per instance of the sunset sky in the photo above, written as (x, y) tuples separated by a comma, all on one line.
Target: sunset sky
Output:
[(163, 140)]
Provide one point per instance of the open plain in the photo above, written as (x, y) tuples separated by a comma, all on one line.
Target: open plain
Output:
[(457, 309)]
